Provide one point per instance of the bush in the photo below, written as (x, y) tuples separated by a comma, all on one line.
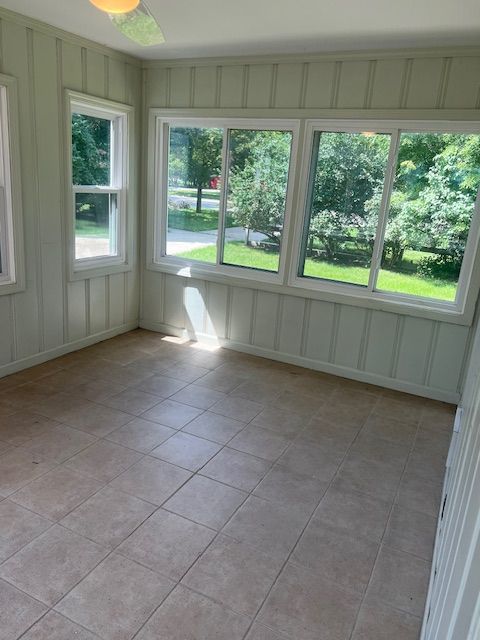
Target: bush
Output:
[(444, 267)]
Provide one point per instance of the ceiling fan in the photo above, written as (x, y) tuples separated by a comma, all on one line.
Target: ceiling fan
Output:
[(134, 19)]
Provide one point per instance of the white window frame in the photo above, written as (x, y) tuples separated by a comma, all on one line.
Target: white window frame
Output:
[(161, 122), (469, 279), (12, 274), (121, 117)]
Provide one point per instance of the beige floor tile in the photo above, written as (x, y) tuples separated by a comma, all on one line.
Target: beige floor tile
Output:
[(186, 451), (141, 435), (411, 531), (336, 436), (206, 502), (337, 555), (58, 405), (132, 401), (108, 517), (234, 574), (400, 580), (365, 515), (213, 426), (237, 469), (438, 417), (21, 427), (56, 493), (260, 442), (319, 462), (6, 409), (53, 626), (152, 480), (259, 632), (272, 528), (186, 614), (377, 449), (221, 381), (52, 564), (167, 543), (427, 465), (400, 409), (417, 494), (95, 418), (64, 380), (116, 599), (19, 467), (27, 394), (294, 402), (378, 622), (172, 414), (59, 443), (237, 408), (304, 607), (103, 460), (99, 390), (162, 386), (401, 432), (291, 488), (199, 397), (285, 423), (186, 372), (367, 476), (17, 611), (18, 527), (258, 391)]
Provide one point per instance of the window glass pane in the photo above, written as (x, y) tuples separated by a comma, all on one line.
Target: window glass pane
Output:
[(257, 189), (95, 225), (194, 168), (91, 150), (436, 183), (346, 187)]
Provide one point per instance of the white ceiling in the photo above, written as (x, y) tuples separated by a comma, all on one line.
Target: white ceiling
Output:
[(195, 28)]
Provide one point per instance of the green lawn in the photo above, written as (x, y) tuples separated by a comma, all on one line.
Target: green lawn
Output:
[(237, 253), (89, 228), (210, 194), (189, 220)]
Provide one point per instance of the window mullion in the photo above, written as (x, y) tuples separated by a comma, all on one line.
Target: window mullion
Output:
[(222, 208), (383, 211)]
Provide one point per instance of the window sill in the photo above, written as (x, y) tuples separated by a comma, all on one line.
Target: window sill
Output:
[(324, 292), (104, 269), (8, 288)]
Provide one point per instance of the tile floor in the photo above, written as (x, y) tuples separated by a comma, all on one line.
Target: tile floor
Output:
[(152, 489)]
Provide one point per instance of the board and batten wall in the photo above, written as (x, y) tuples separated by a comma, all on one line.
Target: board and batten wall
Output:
[(53, 315), (392, 349)]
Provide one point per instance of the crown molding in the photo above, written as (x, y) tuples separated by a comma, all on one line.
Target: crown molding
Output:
[(56, 32), (330, 56)]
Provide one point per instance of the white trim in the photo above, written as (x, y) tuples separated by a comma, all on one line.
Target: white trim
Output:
[(51, 354), (121, 117), (159, 123), (308, 363), (12, 279)]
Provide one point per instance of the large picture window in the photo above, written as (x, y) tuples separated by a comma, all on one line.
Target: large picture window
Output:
[(223, 193), (391, 211), (99, 162)]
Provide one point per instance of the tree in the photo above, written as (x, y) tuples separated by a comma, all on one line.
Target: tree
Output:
[(90, 150), (258, 181), (200, 150)]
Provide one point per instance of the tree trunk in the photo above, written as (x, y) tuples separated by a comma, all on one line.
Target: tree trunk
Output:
[(247, 236), (199, 199)]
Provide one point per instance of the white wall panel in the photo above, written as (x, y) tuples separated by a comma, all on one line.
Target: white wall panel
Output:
[(319, 330), (387, 84), (216, 310), (349, 335), (291, 325), (414, 349), (52, 313), (381, 343), (241, 312), (266, 316), (195, 309), (259, 87)]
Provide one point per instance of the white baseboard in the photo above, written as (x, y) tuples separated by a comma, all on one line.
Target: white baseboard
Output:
[(44, 356), (308, 363)]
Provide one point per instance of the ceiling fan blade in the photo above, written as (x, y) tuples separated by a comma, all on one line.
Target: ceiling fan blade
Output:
[(139, 25)]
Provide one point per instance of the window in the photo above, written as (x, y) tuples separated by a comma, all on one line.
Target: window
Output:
[(99, 176), (390, 212), (11, 234), (223, 194)]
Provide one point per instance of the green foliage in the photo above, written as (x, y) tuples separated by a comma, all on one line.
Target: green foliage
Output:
[(258, 181), (90, 150)]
